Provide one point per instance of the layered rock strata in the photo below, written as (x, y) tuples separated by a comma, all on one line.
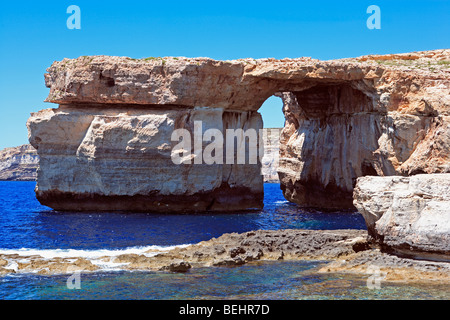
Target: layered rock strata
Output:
[(106, 158), (21, 163), (345, 118), (18, 163), (270, 160), (395, 121), (409, 216)]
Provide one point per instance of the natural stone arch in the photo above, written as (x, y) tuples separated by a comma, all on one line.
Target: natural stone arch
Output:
[(107, 146), (329, 140)]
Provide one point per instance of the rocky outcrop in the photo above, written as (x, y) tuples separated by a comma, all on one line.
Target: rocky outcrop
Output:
[(343, 251), (394, 122), (407, 215), (270, 160), (107, 146), (120, 159), (18, 163), (231, 249), (21, 163)]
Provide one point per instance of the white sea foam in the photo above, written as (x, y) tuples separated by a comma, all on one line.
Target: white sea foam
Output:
[(89, 254), (103, 258)]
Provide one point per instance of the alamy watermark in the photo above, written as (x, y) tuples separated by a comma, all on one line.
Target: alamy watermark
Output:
[(74, 20), (74, 281), (237, 146), (375, 278), (374, 20)]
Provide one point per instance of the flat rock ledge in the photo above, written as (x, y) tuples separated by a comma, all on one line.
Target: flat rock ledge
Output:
[(346, 251)]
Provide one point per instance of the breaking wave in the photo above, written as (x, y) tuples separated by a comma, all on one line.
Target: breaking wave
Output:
[(97, 257)]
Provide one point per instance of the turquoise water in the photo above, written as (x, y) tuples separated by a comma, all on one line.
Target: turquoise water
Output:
[(27, 225), (267, 281)]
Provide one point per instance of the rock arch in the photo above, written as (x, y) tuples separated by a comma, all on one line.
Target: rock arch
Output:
[(107, 146), (329, 140)]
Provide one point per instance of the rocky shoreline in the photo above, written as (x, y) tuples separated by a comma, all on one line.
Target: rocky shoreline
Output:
[(346, 251)]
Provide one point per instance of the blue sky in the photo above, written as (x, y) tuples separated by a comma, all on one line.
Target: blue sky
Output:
[(33, 34)]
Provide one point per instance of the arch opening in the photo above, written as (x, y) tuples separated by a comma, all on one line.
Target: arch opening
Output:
[(330, 135), (273, 122)]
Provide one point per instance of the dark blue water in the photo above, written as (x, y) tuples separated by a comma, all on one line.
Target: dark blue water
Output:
[(25, 223)]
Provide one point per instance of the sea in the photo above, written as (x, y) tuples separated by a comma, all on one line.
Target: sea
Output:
[(29, 228)]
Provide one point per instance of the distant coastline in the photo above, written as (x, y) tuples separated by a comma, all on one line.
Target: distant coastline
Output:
[(18, 163)]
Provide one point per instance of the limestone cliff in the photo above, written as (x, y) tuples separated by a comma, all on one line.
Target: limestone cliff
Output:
[(116, 158), (393, 122), (107, 146), (18, 163), (271, 158), (21, 163)]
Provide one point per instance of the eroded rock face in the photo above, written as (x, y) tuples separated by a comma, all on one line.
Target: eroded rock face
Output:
[(271, 158), (18, 163), (117, 159), (329, 140), (107, 145), (21, 163), (407, 215), (393, 122)]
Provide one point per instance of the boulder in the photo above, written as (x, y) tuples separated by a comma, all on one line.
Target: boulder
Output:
[(177, 266), (407, 215)]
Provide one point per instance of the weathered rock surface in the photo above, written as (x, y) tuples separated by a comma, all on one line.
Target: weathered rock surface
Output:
[(393, 122), (407, 215), (21, 163), (108, 159), (106, 147), (235, 249), (270, 160), (389, 267), (18, 163), (343, 251)]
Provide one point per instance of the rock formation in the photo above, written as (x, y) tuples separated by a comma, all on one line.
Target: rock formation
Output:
[(21, 163), (115, 159), (345, 251), (392, 121), (407, 215), (18, 163), (271, 158), (108, 145)]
